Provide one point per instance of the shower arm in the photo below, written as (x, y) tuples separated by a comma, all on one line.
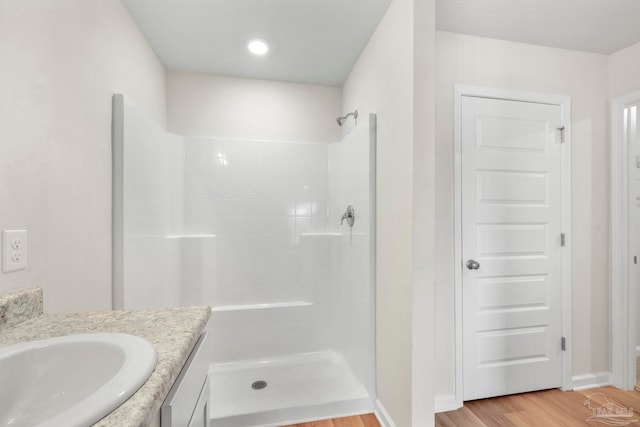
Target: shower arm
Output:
[(344, 118)]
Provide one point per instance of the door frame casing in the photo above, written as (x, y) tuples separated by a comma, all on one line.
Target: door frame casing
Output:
[(623, 295), (564, 102)]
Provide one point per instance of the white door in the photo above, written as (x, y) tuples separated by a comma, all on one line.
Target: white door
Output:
[(511, 246), (632, 114)]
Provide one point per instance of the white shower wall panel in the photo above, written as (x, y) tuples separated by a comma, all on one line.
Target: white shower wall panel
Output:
[(264, 333), (350, 287), (251, 228), (257, 198), (153, 179), (198, 261), (152, 196)]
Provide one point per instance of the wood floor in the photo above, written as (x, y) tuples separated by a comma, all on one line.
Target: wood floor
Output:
[(547, 408), (638, 375), (368, 420)]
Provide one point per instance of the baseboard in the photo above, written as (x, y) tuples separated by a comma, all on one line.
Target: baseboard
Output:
[(446, 403), (596, 379), (382, 415)]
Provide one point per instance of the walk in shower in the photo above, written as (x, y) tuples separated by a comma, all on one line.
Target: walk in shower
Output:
[(253, 229)]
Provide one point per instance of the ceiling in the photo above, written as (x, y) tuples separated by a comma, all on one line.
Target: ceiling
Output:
[(312, 41), (318, 41), (599, 26)]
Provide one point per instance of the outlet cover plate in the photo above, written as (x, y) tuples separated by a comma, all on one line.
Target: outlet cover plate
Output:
[(14, 250)]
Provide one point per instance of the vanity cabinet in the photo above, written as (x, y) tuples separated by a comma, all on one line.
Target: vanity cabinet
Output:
[(201, 416), (187, 404)]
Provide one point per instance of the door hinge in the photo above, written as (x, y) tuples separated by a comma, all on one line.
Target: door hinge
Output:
[(561, 129), (563, 241), (635, 259), (563, 344)]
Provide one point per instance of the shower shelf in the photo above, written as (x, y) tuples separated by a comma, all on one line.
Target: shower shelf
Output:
[(331, 234), (241, 307), (189, 236)]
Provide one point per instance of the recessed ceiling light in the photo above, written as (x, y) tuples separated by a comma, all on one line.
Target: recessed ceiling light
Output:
[(258, 47)]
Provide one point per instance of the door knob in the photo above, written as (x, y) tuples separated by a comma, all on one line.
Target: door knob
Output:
[(473, 265)]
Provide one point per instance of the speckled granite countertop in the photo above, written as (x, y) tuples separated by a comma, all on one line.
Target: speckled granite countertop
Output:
[(172, 331)]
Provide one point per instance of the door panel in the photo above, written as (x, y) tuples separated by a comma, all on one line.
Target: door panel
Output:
[(511, 187), (504, 293), (511, 217)]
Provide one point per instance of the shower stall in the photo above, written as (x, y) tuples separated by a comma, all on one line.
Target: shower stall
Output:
[(278, 238)]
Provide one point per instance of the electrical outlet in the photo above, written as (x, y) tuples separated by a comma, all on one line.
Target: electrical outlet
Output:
[(14, 250)]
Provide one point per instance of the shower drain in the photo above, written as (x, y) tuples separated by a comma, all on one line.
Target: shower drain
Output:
[(258, 385)]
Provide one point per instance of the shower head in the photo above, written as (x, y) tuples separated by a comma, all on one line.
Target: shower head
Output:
[(343, 119)]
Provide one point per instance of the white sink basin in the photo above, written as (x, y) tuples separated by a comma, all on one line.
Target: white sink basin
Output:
[(74, 380)]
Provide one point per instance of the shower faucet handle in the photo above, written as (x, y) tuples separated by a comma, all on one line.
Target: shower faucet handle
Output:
[(349, 215)]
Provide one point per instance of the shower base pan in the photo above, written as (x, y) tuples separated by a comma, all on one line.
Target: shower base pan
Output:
[(286, 390)]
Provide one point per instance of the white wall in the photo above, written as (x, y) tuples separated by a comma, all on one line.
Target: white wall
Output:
[(394, 78), (424, 202), (624, 71), (61, 63), (210, 106), (493, 63)]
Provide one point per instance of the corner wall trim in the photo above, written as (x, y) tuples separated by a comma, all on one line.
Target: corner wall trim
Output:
[(117, 204), (595, 379), (446, 403), (382, 415), (622, 225)]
